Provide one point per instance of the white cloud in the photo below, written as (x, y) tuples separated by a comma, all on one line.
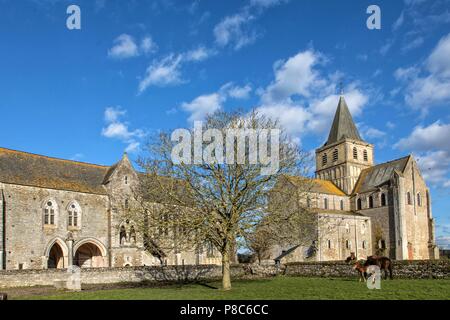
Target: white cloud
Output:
[(432, 148), (233, 30), (117, 129), (399, 22), (443, 242), (124, 47), (202, 106), (162, 73), (433, 87), (409, 45), (148, 45), (298, 81), (199, 54), (267, 3), (235, 91)]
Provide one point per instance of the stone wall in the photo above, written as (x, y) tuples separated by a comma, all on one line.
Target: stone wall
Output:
[(402, 269)]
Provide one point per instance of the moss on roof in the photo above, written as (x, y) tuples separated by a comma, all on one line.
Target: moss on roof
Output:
[(318, 185), (22, 168)]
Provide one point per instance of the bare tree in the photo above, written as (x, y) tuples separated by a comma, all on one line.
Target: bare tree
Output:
[(182, 205)]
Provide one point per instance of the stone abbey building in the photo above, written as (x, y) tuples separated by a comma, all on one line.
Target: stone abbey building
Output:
[(55, 213), (362, 207)]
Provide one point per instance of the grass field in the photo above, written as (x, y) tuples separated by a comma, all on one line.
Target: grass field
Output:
[(275, 288)]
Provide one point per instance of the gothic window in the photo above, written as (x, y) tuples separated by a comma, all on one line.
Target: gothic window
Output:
[(359, 204), (123, 235), (383, 200), (324, 159), (364, 244), (366, 156), (419, 200), (74, 215), (408, 198), (342, 204), (132, 234), (335, 155), (325, 203), (355, 153), (371, 202), (49, 213)]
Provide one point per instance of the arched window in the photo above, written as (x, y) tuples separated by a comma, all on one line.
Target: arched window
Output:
[(74, 214), (132, 234), (325, 203), (335, 155), (408, 198), (342, 204), (383, 200), (366, 156), (50, 212), (364, 244), (324, 159), (122, 235), (355, 153), (419, 200), (359, 204), (371, 202)]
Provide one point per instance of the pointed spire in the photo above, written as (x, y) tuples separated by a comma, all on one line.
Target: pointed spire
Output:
[(343, 125)]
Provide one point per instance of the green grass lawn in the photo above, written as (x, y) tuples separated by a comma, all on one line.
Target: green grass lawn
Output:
[(275, 288)]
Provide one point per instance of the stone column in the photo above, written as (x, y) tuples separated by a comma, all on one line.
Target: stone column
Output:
[(69, 242)]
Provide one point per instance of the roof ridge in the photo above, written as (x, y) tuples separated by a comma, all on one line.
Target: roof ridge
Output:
[(53, 158)]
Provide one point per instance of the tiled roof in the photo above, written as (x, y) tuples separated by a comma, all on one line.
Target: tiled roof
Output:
[(373, 177), (29, 169), (318, 185), (343, 126)]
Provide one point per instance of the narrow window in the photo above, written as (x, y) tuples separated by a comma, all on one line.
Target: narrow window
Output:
[(408, 198), (132, 234), (73, 215), (347, 244), (335, 155), (126, 179), (324, 159), (122, 235), (49, 213), (308, 202), (359, 204), (383, 199), (126, 203), (325, 203), (364, 244), (366, 157), (342, 204), (329, 244), (419, 200), (355, 153), (371, 202), (347, 228)]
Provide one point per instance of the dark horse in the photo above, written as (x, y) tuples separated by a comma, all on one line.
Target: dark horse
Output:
[(384, 263)]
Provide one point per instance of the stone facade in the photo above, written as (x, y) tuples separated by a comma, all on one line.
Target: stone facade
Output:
[(55, 213), (382, 209)]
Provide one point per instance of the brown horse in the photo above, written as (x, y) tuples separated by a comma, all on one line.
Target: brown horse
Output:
[(362, 270), (384, 263)]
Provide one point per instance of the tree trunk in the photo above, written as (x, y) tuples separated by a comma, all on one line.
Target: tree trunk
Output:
[(226, 275)]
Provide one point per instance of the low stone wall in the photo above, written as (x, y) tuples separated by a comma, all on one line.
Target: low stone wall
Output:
[(402, 269), (427, 269)]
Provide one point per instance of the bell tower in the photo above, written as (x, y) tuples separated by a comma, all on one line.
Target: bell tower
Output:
[(342, 158)]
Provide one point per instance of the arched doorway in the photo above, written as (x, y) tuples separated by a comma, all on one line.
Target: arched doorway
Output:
[(89, 255), (55, 257)]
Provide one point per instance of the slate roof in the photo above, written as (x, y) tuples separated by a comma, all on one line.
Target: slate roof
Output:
[(318, 185), (343, 126), (21, 168), (373, 177)]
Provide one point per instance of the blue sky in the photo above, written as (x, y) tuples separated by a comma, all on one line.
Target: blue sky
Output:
[(137, 67)]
